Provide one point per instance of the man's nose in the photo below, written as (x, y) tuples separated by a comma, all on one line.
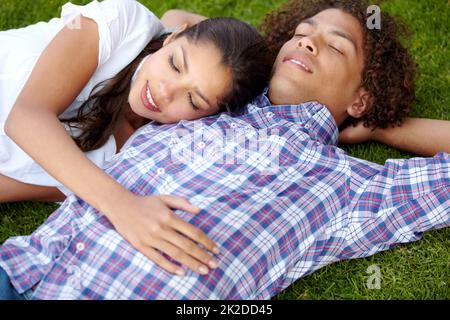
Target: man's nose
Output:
[(309, 44)]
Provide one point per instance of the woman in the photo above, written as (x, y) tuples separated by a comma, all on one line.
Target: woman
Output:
[(54, 72)]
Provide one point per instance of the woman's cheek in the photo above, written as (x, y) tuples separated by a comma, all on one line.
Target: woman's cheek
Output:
[(177, 115)]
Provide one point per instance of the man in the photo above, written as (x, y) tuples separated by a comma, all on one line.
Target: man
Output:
[(293, 204)]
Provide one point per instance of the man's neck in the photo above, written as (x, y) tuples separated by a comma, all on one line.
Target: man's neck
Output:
[(276, 99)]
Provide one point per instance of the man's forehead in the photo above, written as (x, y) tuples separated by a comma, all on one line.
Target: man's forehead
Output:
[(340, 22), (334, 17), (309, 21)]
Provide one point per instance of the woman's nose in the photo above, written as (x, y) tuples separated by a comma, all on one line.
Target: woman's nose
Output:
[(167, 90)]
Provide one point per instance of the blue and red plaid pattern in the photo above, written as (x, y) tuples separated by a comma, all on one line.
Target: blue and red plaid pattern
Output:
[(317, 207)]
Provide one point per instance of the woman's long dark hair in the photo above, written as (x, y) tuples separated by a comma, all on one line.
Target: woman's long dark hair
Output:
[(243, 51)]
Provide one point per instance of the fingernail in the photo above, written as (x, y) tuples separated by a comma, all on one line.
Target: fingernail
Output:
[(213, 264), (216, 250), (195, 209), (203, 270), (180, 272)]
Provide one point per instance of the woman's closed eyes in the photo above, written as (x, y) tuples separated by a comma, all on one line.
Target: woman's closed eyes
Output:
[(172, 63), (177, 70)]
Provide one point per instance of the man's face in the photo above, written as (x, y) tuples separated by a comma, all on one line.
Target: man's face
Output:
[(322, 62)]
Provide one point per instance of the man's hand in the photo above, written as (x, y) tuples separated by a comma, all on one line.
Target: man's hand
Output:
[(176, 18)]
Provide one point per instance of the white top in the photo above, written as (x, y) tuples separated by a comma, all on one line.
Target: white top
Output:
[(125, 28)]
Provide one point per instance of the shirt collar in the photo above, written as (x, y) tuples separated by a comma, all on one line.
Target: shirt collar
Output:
[(315, 117)]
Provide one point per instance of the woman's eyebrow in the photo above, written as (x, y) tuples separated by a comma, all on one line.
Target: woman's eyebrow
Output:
[(186, 68), (203, 98), (185, 62)]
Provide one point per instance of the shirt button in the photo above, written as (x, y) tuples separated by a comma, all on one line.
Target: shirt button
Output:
[(80, 246), (307, 126), (233, 126), (201, 145), (161, 171), (269, 115)]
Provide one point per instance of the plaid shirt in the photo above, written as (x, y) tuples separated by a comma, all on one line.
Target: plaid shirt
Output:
[(291, 206)]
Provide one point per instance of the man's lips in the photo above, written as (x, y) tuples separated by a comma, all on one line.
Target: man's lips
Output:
[(148, 100), (299, 61)]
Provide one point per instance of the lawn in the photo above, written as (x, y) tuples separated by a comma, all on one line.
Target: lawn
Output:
[(416, 271)]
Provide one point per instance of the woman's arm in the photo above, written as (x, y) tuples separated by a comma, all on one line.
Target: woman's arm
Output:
[(424, 137), (176, 18), (14, 191), (61, 72)]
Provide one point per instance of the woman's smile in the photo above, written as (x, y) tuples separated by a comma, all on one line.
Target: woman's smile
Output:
[(148, 100)]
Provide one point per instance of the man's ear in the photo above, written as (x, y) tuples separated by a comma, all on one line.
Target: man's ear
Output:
[(174, 34), (361, 105)]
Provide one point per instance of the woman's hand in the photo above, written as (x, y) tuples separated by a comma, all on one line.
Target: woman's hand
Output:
[(149, 225), (356, 134)]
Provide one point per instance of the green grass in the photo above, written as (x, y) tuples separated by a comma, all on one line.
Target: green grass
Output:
[(416, 271)]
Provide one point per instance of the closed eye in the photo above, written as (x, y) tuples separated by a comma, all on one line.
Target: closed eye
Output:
[(336, 49), (192, 102), (172, 64)]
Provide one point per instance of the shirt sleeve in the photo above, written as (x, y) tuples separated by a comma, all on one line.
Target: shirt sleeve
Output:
[(121, 23), (380, 207), (395, 203)]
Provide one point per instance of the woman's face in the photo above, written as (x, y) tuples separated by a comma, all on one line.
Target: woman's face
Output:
[(181, 81)]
